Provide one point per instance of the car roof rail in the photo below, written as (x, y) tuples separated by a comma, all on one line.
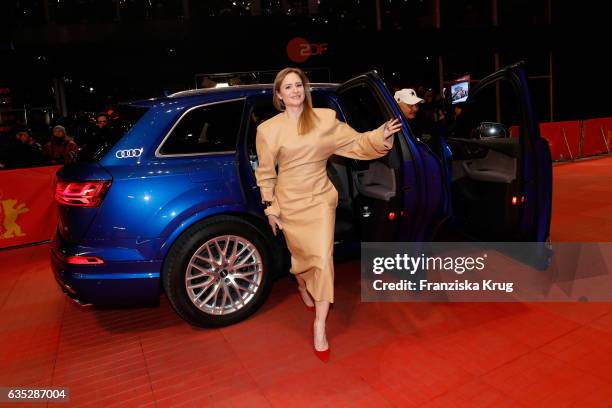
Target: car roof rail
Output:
[(204, 91)]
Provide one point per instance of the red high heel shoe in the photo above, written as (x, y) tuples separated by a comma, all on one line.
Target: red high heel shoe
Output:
[(321, 355)]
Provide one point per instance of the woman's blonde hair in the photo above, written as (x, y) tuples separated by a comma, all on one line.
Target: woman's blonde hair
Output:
[(308, 117)]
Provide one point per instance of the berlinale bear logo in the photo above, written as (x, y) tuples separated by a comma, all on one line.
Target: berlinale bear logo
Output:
[(8, 218)]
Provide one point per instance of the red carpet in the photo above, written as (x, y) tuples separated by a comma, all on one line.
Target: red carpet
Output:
[(395, 354), (582, 201)]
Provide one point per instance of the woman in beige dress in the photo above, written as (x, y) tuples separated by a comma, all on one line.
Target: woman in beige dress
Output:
[(300, 199)]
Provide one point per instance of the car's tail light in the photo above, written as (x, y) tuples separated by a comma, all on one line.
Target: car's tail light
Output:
[(78, 259), (81, 194), (84, 260)]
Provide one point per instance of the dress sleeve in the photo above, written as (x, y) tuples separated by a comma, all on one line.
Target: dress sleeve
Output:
[(267, 152), (361, 146)]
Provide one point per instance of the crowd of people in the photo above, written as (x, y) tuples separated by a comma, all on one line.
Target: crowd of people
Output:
[(27, 149)]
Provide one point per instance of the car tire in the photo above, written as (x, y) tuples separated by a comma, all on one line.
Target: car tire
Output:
[(218, 272)]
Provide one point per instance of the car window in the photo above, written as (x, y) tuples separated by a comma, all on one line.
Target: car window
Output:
[(206, 129), (322, 100), (99, 142), (493, 112), (362, 110)]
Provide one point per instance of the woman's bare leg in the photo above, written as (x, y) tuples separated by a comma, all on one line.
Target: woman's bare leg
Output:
[(304, 292), (320, 339)]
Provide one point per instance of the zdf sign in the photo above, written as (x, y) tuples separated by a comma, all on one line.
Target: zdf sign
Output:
[(299, 49)]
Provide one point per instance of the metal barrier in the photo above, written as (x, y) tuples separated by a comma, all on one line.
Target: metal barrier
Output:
[(596, 136), (577, 139)]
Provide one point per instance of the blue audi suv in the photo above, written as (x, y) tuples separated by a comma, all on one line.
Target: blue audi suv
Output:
[(169, 203)]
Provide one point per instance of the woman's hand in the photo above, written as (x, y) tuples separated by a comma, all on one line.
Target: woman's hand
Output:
[(274, 223), (391, 127)]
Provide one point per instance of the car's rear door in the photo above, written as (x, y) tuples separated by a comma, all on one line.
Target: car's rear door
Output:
[(415, 208)]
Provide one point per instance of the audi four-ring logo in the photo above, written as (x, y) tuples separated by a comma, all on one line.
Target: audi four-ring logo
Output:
[(123, 154)]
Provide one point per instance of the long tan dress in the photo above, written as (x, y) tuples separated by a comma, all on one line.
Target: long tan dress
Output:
[(302, 195)]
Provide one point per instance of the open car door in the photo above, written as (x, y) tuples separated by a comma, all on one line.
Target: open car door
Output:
[(394, 197), (502, 169)]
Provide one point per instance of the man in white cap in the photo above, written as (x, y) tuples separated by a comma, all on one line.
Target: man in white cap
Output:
[(420, 128), (408, 102)]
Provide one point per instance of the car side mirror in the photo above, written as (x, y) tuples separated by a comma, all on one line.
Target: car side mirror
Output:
[(487, 130)]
